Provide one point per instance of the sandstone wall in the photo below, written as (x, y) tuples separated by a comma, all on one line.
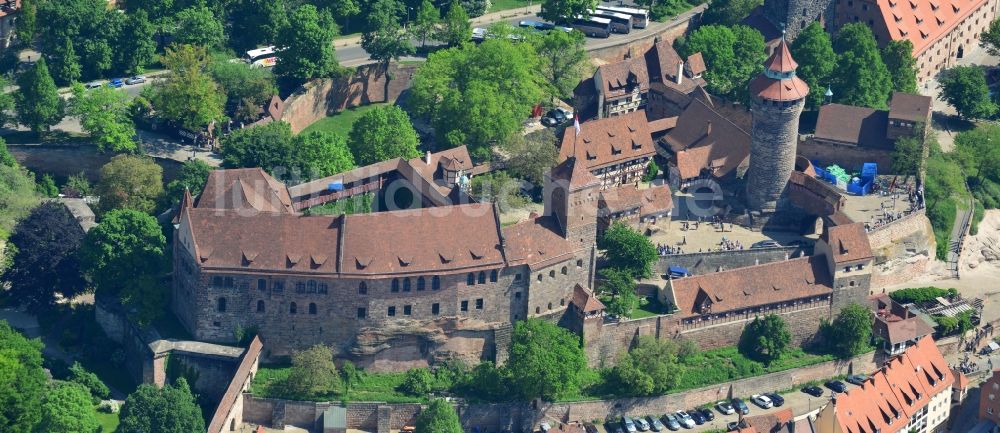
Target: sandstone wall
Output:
[(902, 250), (368, 84), (715, 261), (674, 30), (849, 157)]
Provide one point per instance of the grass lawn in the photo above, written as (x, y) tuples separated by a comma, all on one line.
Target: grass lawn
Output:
[(109, 421), (501, 5), (341, 122), (372, 387)]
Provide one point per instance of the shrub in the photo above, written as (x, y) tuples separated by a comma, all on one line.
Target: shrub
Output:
[(98, 390), (418, 382), (977, 217), (921, 294)]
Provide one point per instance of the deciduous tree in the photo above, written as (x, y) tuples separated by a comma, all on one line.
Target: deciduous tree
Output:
[(531, 156), (307, 45), (319, 154), (192, 177), (68, 408), (975, 150), (383, 133), (439, 417), (45, 259), (104, 114), (17, 196), (651, 368), (559, 11), (813, 51), (426, 21), (251, 87), (22, 381), (66, 67), (765, 339), (385, 40), (564, 61), (313, 373), (130, 182), (37, 101), (89, 381), (620, 286), (8, 113), (456, 29), (965, 89), (198, 26), (736, 54), (907, 155), (188, 97), (729, 12), (546, 361), (898, 58), (628, 250), (170, 409), (256, 23), (27, 21), (860, 77), (990, 39), (851, 331), (136, 47)]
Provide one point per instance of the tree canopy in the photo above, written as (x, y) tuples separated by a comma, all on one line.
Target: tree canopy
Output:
[(990, 39), (197, 25), (385, 39), (68, 408), (17, 196), (44, 261), (619, 285), (383, 133), (653, 367), (765, 339), (425, 23), (734, 55), (558, 11), (22, 381), (188, 96), (860, 77), (965, 89), (455, 29), (248, 89), (628, 250), (130, 182), (976, 152), (439, 417), (104, 114), (851, 331), (313, 373), (256, 22), (273, 148), (545, 360), (729, 12), (192, 176), (307, 45), (813, 51), (38, 104), (902, 66), (531, 156), (564, 61), (171, 409)]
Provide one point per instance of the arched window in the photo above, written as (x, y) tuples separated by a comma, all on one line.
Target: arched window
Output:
[(435, 283), (550, 305), (395, 284), (552, 273), (421, 284), (539, 277), (493, 276), (312, 308), (406, 284), (293, 309), (300, 287), (482, 277), (538, 310), (471, 279), (362, 288), (562, 302), (579, 263), (222, 305), (564, 270), (260, 306)]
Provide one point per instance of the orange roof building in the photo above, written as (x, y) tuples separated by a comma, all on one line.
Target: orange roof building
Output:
[(989, 398), (615, 149), (911, 392)]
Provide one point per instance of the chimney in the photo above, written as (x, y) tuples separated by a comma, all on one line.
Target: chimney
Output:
[(708, 128), (427, 158), (680, 73)]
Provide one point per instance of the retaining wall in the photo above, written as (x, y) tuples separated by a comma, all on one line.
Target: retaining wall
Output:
[(849, 157), (637, 47), (715, 261), (902, 250)]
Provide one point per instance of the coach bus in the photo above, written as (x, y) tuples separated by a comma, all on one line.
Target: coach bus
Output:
[(262, 57), (595, 27), (640, 17), (620, 23)]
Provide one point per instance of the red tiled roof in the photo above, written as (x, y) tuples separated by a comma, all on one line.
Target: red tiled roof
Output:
[(574, 174), (620, 198), (742, 288), (704, 139), (907, 106), (860, 126), (790, 89), (609, 141), (618, 78), (536, 243), (585, 300), (781, 59), (246, 189), (924, 22), (849, 242), (656, 200), (897, 330), (696, 64)]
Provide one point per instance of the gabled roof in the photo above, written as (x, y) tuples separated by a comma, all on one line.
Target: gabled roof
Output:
[(860, 126), (704, 139), (536, 242), (244, 189), (656, 199), (609, 141), (907, 106), (848, 242), (585, 300), (924, 22), (619, 199), (617, 77), (696, 64), (574, 173)]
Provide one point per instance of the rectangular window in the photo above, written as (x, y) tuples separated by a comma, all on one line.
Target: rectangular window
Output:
[(261, 284), (407, 310), (392, 311), (362, 313), (436, 309), (517, 295), (217, 281), (479, 304), (465, 305), (323, 288), (278, 286), (227, 282)]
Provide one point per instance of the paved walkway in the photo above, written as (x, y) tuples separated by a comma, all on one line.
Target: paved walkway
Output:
[(963, 217)]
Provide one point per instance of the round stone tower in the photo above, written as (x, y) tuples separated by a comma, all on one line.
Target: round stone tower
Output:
[(777, 99)]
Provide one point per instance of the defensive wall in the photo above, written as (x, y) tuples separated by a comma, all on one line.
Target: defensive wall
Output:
[(902, 249), (715, 261), (849, 157), (69, 159), (677, 27)]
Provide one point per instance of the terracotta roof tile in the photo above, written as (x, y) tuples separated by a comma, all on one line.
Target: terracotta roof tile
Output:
[(778, 90), (585, 300), (696, 64), (781, 59), (575, 174), (912, 22), (907, 106), (703, 137), (609, 141), (656, 200), (536, 243), (620, 78), (246, 189), (849, 243), (765, 284), (621, 198)]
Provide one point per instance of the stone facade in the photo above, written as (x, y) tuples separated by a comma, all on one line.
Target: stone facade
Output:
[(715, 261), (772, 151), (902, 250), (794, 15)]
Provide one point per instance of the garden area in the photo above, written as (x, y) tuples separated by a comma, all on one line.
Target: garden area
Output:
[(340, 123)]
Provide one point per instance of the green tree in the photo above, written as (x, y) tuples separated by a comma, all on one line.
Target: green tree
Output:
[(455, 29), (267, 146), (89, 25), (136, 47), (990, 39), (908, 154), (307, 45), (558, 11), (27, 21), (765, 339), (851, 331), (8, 116), (156, 9), (256, 23), (104, 114), (531, 155), (251, 87), (65, 63), (68, 408), (77, 186), (22, 381), (198, 26), (439, 417), (860, 77), (192, 177), (6, 159), (171, 409), (385, 40), (17, 196), (44, 261), (976, 152), (620, 286), (652, 170), (813, 50), (188, 97), (545, 361), (320, 154), (46, 186), (628, 250), (426, 21), (736, 54), (38, 103), (965, 89), (123, 256), (130, 182), (498, 187), (564, 61), (476, 8), (653, 367), (313, 373), (944, 179), (383, 133), (729, 12), (89, 381), (418, 382), (898, 58)]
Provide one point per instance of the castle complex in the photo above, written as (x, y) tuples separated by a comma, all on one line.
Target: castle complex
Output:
[(438, 280)]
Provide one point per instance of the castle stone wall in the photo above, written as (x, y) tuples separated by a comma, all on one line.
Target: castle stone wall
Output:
[(902, 250), (715, 261), (850, 158), (772, 151)]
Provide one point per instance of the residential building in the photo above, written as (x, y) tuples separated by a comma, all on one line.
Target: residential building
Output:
[(989, 398), (848, 125), (895, 326), (704, 144), (910, 393), (633, 206), (615, 149)]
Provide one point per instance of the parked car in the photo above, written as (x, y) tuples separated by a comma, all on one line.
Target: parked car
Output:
[(655, 424), (725, 408), (613, 427), (628, 425), (836, 386), (765, 244), (92, 85), (762, 401), (590, 427), (857, 379), (684, 419), (776, 399), (537, 25), (813, 390), (741, 406), (641, 423), (697, 416), (544, 427), (138, 79), (671, 422), (556, 116), (707, 413), (116, 83)]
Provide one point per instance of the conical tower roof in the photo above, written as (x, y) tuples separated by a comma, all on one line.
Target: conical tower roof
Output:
[(781, 60), (778, 81)]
